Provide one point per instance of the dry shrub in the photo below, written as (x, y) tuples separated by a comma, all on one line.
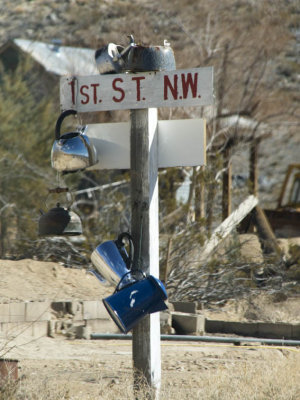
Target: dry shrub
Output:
[(8, 389)]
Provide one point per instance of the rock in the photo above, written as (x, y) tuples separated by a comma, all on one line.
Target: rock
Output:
[(83, 332), (250, 248)]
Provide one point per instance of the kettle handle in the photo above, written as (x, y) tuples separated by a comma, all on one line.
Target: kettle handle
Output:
[(62, 116), (128, 258)]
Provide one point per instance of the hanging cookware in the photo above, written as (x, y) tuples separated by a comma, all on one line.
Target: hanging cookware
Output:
[(134, 58), (59, 220), (129, 304), (72, 151), (150, 58), (111, 58), (112, 261)]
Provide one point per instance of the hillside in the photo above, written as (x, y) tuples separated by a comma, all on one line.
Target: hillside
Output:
[(260, 78)]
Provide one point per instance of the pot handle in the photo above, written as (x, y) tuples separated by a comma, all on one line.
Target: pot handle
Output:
[(128, 259), (62, 116)]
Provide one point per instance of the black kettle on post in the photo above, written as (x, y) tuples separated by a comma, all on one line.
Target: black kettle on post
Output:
[(59, 221), (114, 58)]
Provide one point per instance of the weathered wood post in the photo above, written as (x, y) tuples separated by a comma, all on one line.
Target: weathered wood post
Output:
[(253, 164), (261, 221), (145, 233), (227, 185)]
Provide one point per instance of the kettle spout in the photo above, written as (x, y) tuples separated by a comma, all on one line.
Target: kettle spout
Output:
[(124, 53)]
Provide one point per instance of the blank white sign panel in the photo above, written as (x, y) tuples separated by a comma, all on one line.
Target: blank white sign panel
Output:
[(180, 143)]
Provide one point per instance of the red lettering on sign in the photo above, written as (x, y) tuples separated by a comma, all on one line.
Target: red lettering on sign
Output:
[(189, 82), (138, 87), (95, 85), (86, 95), (118, 89), (72, 84), (173, 88)]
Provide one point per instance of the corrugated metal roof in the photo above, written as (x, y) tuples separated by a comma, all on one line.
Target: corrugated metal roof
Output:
[(60, 60)]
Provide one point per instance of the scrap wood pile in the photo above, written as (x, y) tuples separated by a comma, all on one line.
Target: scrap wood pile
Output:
[(226, 274), (216, 283)]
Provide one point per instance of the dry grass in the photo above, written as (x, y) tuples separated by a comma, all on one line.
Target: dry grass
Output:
[(210, 378), (276, 381)]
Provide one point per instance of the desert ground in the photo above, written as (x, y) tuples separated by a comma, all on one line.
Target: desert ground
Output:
[(77, 369), (62, 368)]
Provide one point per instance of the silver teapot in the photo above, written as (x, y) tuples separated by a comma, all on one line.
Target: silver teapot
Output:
[(72, 151), (112, 262)]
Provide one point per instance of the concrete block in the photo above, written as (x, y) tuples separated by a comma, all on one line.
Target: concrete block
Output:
[(62, 308), (165, 318), (12, 329), (39, 328), (83, 332), (59, 307), (233, 327), (296, 332), (213, 326), (94, 309), (102, 326), (75, 308), (51, 328), (257, 329), (186, 324), (185, 306), (166, 323), (241, 328), (37, 311), (17, 312), (275, 331), (15, 329), (4, 313)]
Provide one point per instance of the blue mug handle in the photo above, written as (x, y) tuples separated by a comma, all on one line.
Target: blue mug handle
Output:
[(117, 289)]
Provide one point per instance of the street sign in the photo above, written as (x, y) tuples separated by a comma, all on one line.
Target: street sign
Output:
[(178, 88), (112, 143)]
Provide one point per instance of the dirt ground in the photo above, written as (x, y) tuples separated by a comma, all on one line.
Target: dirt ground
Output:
[(60, 368), (36, 281), (78, 369)]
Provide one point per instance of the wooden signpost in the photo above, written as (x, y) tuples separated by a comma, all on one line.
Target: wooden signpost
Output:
[(142, 93), (179, 88)]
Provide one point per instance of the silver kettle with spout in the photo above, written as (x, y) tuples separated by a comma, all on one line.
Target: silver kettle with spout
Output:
[(72, 151), (112, 262)]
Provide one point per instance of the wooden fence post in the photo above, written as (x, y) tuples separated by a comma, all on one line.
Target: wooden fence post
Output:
[(145, 233)]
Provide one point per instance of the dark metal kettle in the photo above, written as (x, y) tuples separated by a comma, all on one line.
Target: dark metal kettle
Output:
[(150, 58), (72, 151), (59, 220), (134, 58)]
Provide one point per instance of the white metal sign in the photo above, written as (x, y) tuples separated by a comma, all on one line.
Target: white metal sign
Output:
[(178, 88), (180, 143)]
